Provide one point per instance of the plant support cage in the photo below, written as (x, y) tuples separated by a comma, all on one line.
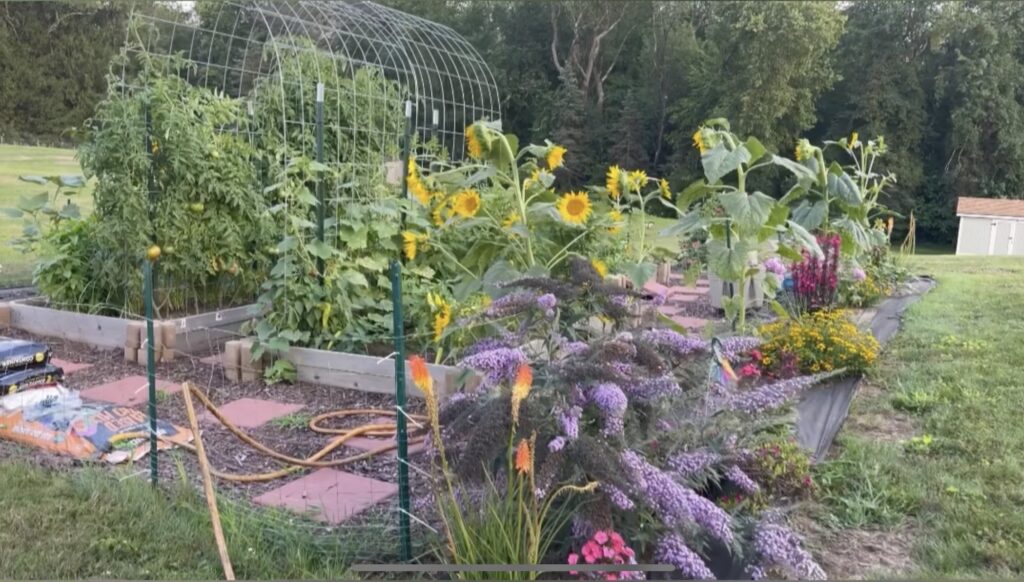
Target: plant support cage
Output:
[(240, 47)]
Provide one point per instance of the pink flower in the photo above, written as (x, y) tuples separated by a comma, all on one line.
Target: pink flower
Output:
[(573, 560), (601, 537), (630, 552), (590, 559), (750, 371), (607, 552)]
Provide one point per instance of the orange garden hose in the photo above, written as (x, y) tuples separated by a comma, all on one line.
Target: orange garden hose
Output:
[(344, 435)]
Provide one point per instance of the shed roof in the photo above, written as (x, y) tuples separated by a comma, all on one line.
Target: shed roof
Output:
[(990, 207)]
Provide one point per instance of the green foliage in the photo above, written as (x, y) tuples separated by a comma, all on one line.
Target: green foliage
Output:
[(782, 467), (865, 486), (41, 211)]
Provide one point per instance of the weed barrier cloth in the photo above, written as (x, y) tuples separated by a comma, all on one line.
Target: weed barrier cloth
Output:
[(823, 410), (56, 420)]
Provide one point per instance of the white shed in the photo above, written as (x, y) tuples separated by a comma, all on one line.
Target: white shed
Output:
[(990, 226)]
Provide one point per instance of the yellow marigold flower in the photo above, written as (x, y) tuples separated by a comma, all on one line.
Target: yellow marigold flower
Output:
[(616, 218), (474, 148), (574, 207), (698, 140), (637, 180), (600, 267), (554, 157), (666, 193), (521, 389), (524, 458), (411, 242), (466, 203), (614, 182), (853, 140)]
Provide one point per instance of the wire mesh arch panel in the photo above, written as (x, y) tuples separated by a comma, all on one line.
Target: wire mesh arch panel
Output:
[(369, 58)]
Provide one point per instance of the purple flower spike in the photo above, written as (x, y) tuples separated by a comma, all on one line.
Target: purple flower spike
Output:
[(498, 365), (742, 480), (676, 343), (672, 550), (613, 403), (547, 301), (692, 463)]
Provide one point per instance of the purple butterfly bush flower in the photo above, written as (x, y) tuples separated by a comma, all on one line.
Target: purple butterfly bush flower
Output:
[(547, 301), (571, 348), (692, 463), (556, 444), (612, 403), (618, 497), (675, 503), (779, 547), (486, 345), (676, 343), (672, 549), (654, 388), (570, 421), (511, 304), (774, 395), (740, 478), (498, 365), (739, 345)]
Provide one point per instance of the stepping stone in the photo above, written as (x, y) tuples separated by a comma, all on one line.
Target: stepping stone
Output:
[(680, 298), (214, 360), (373, 443), (252, 412), (130, 391), (694, 323), (689, 291), (656, 288), (332, 496), (69, 367)]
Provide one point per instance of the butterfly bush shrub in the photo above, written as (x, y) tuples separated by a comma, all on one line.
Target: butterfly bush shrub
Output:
[(625, 407)]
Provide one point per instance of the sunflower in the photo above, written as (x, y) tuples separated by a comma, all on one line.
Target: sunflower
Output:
[(574, 207), (803, 150), (698, 140), (416, 187), (614, 182), (616, 218), (411, 242), (442, 314), (554, 157), (511, 220), (466, 203), (853, 140), (474, 148), (666, 193), (637, 180), (437, 214), (600, 267)]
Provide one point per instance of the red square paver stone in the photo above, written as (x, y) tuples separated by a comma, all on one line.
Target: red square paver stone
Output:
[(373, 443), (680, 298), (656, 288), (690, 322), (128, 391), (332, 496), (252, 412), (67, 366)]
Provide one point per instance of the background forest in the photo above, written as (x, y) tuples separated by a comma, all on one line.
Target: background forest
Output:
[(628, 82)]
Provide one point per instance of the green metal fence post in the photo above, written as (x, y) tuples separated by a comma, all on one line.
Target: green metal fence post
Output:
[(402, 430), (320, 212), (147, 292)]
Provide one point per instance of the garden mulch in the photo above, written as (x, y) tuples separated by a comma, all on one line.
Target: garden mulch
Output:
[(225, 451)]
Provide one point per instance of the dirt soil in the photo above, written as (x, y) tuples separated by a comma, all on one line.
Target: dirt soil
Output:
[(858, 554), (225, 451)]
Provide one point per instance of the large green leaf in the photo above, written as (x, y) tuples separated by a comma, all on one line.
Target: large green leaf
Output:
[(719, 161), (756, 149), (804, 237), (727, 262), (34, 202), (779, 215), (34, 179), (810, 215), (692, 193), (639, 273), (686, 224), (748, 211), (320, 250), (855, 237), (804, 175), (843, 187), (354, 278), (72, 181), (70, 211)]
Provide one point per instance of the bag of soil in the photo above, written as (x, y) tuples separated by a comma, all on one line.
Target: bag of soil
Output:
[(46, 375), (21, 355)]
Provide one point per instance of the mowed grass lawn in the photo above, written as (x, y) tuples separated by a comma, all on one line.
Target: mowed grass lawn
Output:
[(938, 449), (21, 161)]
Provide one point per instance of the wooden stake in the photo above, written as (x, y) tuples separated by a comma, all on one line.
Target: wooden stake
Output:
[(211, 499)]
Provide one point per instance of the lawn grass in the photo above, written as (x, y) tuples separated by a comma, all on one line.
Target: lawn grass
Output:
[(956, 480), (90, 523), (20, 161)]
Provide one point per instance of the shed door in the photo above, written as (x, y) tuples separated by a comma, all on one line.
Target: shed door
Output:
[(1002, 238), (975, 235), (1017, 248)]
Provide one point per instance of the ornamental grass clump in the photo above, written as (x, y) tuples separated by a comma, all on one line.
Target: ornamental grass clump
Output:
[(822, 341), (618, 407)]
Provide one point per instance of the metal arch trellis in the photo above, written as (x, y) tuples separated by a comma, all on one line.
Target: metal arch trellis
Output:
[(436, 85), (245, 42)]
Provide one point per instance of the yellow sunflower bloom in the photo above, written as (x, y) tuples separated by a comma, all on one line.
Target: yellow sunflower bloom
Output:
[(554, 157), (416, 187), (853, 140), (637, 180), (442, 314), (510, 220), (600, 267), (411, 242), (574, 207), (666, 193), (616, 218), (466, 203), (474, 148), (698, 140), (804, 150), (614, 182)]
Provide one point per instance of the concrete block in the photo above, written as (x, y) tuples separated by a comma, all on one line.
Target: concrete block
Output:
[(131, 355), (251, 369), (232, 360), (5, 315), (134, 332)]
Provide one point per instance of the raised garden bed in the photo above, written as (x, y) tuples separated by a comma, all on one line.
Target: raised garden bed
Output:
[(185, 335)]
